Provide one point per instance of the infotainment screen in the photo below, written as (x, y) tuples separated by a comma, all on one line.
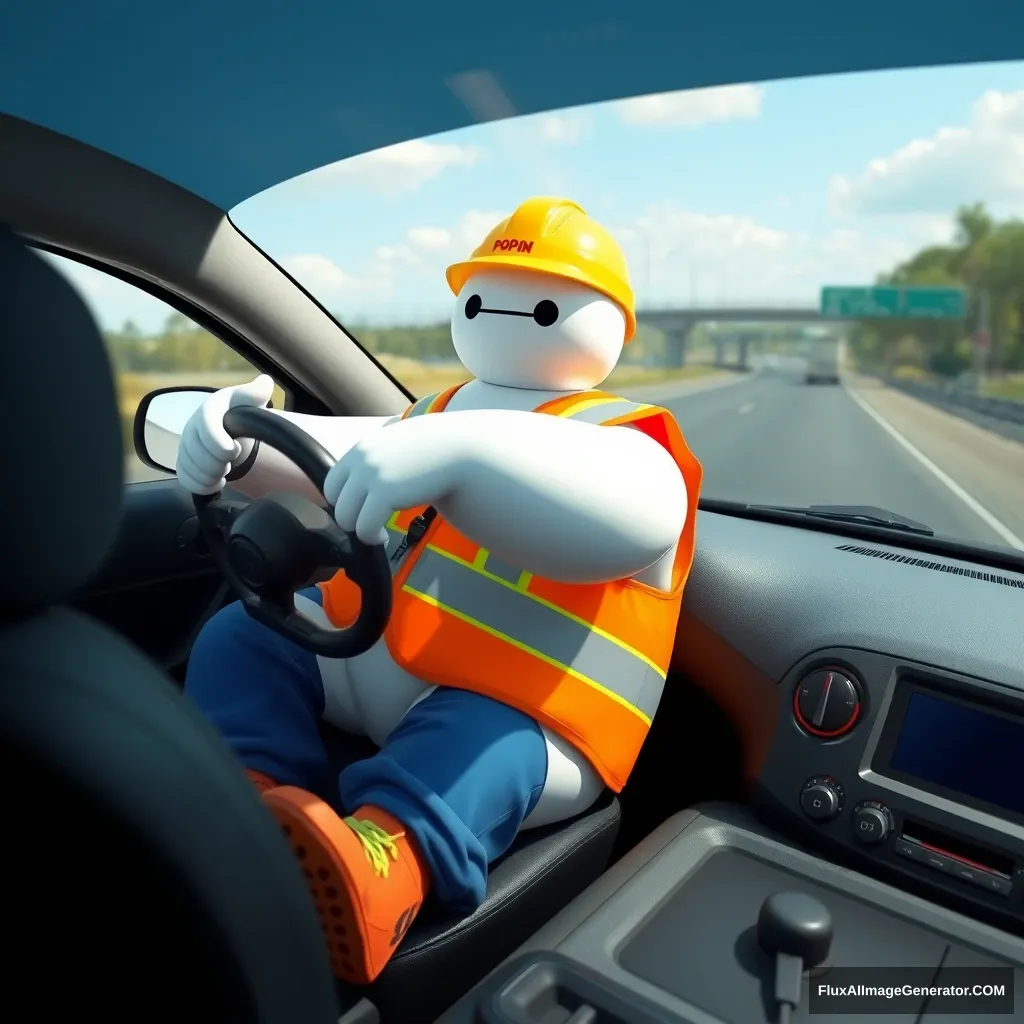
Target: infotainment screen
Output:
[(962, 748)]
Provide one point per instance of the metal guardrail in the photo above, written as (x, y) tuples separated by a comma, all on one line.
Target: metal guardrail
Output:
[(952, 397)]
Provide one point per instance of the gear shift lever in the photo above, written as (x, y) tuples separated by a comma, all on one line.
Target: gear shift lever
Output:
[(796, 930)]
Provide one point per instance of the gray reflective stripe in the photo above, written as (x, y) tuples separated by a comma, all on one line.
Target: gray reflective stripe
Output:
[(420, 406), (459, 588), (606, 411), (504, 570), (652, 689)]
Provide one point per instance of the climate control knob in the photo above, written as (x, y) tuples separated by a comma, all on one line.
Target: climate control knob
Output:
[(821, 799), (827, 703), (872, 823)]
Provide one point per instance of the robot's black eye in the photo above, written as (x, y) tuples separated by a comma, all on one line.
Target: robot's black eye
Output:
[(545, 313), (473, 304)]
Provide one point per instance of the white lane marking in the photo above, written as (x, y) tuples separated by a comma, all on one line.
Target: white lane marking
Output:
[(745, 408), (972, 503)]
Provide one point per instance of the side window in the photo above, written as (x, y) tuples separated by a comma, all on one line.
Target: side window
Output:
[(152, 346)]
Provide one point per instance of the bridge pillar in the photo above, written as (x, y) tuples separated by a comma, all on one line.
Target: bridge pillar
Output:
[(721, 340), (744, 350), (675, 344)]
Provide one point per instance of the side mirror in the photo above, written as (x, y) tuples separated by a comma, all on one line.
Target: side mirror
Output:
[(159, 422)]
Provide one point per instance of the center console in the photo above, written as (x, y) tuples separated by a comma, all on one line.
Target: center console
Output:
[(670, 936), (891, 799)]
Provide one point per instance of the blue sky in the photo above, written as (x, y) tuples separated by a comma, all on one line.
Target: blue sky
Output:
[(748, 193)]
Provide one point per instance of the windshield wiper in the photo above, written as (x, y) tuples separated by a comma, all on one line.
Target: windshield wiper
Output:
[(869, 514)]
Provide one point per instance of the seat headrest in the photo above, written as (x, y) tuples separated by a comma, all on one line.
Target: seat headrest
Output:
[(61, 454)]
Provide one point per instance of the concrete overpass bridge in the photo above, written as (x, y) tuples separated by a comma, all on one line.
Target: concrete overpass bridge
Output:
[(676, 323)]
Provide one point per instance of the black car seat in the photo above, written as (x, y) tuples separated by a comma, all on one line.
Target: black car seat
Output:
[(142, 878)]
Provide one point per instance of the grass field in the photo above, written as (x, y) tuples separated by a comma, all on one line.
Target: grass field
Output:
[(1009, 386)]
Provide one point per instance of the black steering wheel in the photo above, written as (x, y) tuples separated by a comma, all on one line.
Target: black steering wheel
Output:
[(273, 546)]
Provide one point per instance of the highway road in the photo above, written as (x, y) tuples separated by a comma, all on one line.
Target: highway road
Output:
[(769, 438)]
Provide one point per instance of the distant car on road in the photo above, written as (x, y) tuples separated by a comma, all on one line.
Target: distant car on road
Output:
[(824, 361)]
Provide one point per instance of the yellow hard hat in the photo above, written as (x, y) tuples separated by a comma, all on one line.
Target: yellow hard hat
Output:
[(555, 236)]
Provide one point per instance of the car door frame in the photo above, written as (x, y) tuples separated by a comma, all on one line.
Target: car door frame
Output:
[(159, 546)]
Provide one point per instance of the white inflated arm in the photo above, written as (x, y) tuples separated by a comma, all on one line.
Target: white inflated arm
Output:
[(565, 500), (271, 471)]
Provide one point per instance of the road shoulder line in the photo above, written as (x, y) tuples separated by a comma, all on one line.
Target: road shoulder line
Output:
[(941, 475)]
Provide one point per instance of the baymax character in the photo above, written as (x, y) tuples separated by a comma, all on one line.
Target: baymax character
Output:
[(540, 533)]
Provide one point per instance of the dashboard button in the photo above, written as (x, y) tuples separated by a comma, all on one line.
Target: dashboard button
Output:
[(987, 880), (921, 854), (827, 703), (993, 883), (962, 871), (821, 799), (938, 862), (871, 824), (909, 850)]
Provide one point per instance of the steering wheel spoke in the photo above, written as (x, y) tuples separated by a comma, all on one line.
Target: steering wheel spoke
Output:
[(224, 511), (330, 547), (271, 547), (283, 618)]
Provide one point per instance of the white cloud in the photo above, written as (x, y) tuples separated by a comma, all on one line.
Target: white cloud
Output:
[(693, 107), (982, 160), (320, 275), (428, 250), (419, 257), (680, 257), (528, 136), (339, 289), (430, 239), (394, 169), (564, 129)]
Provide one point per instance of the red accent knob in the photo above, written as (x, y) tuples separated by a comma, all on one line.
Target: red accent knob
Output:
[(827, 703)]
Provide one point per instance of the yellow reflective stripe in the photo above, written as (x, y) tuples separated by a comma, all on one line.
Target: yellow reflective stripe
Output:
[(639, 407), (420, 406), (483, 558), (524, 581), (549, 604), (428, 599), (609, 412), (588, 403)]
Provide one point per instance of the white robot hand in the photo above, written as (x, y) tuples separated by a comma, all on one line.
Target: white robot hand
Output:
[(206, 452)]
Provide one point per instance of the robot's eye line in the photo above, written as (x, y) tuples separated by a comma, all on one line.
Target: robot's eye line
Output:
[(545, 313)]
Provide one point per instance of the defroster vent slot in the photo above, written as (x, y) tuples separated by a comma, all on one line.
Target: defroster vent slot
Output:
[(924, 563)]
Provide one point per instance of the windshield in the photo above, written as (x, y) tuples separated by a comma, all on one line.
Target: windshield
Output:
[(829, 274)]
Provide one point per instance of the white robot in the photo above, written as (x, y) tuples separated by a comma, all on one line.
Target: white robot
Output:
[(533, 620)]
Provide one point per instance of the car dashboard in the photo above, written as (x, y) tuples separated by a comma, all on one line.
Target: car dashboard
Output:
[(879, 695)]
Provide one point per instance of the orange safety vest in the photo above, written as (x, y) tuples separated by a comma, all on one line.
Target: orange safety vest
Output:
[(588, 661)]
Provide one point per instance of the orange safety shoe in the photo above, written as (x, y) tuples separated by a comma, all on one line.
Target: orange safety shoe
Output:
[(367, 880)]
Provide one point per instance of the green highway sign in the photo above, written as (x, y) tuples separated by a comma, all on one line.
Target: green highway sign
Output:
[(890, 302)]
